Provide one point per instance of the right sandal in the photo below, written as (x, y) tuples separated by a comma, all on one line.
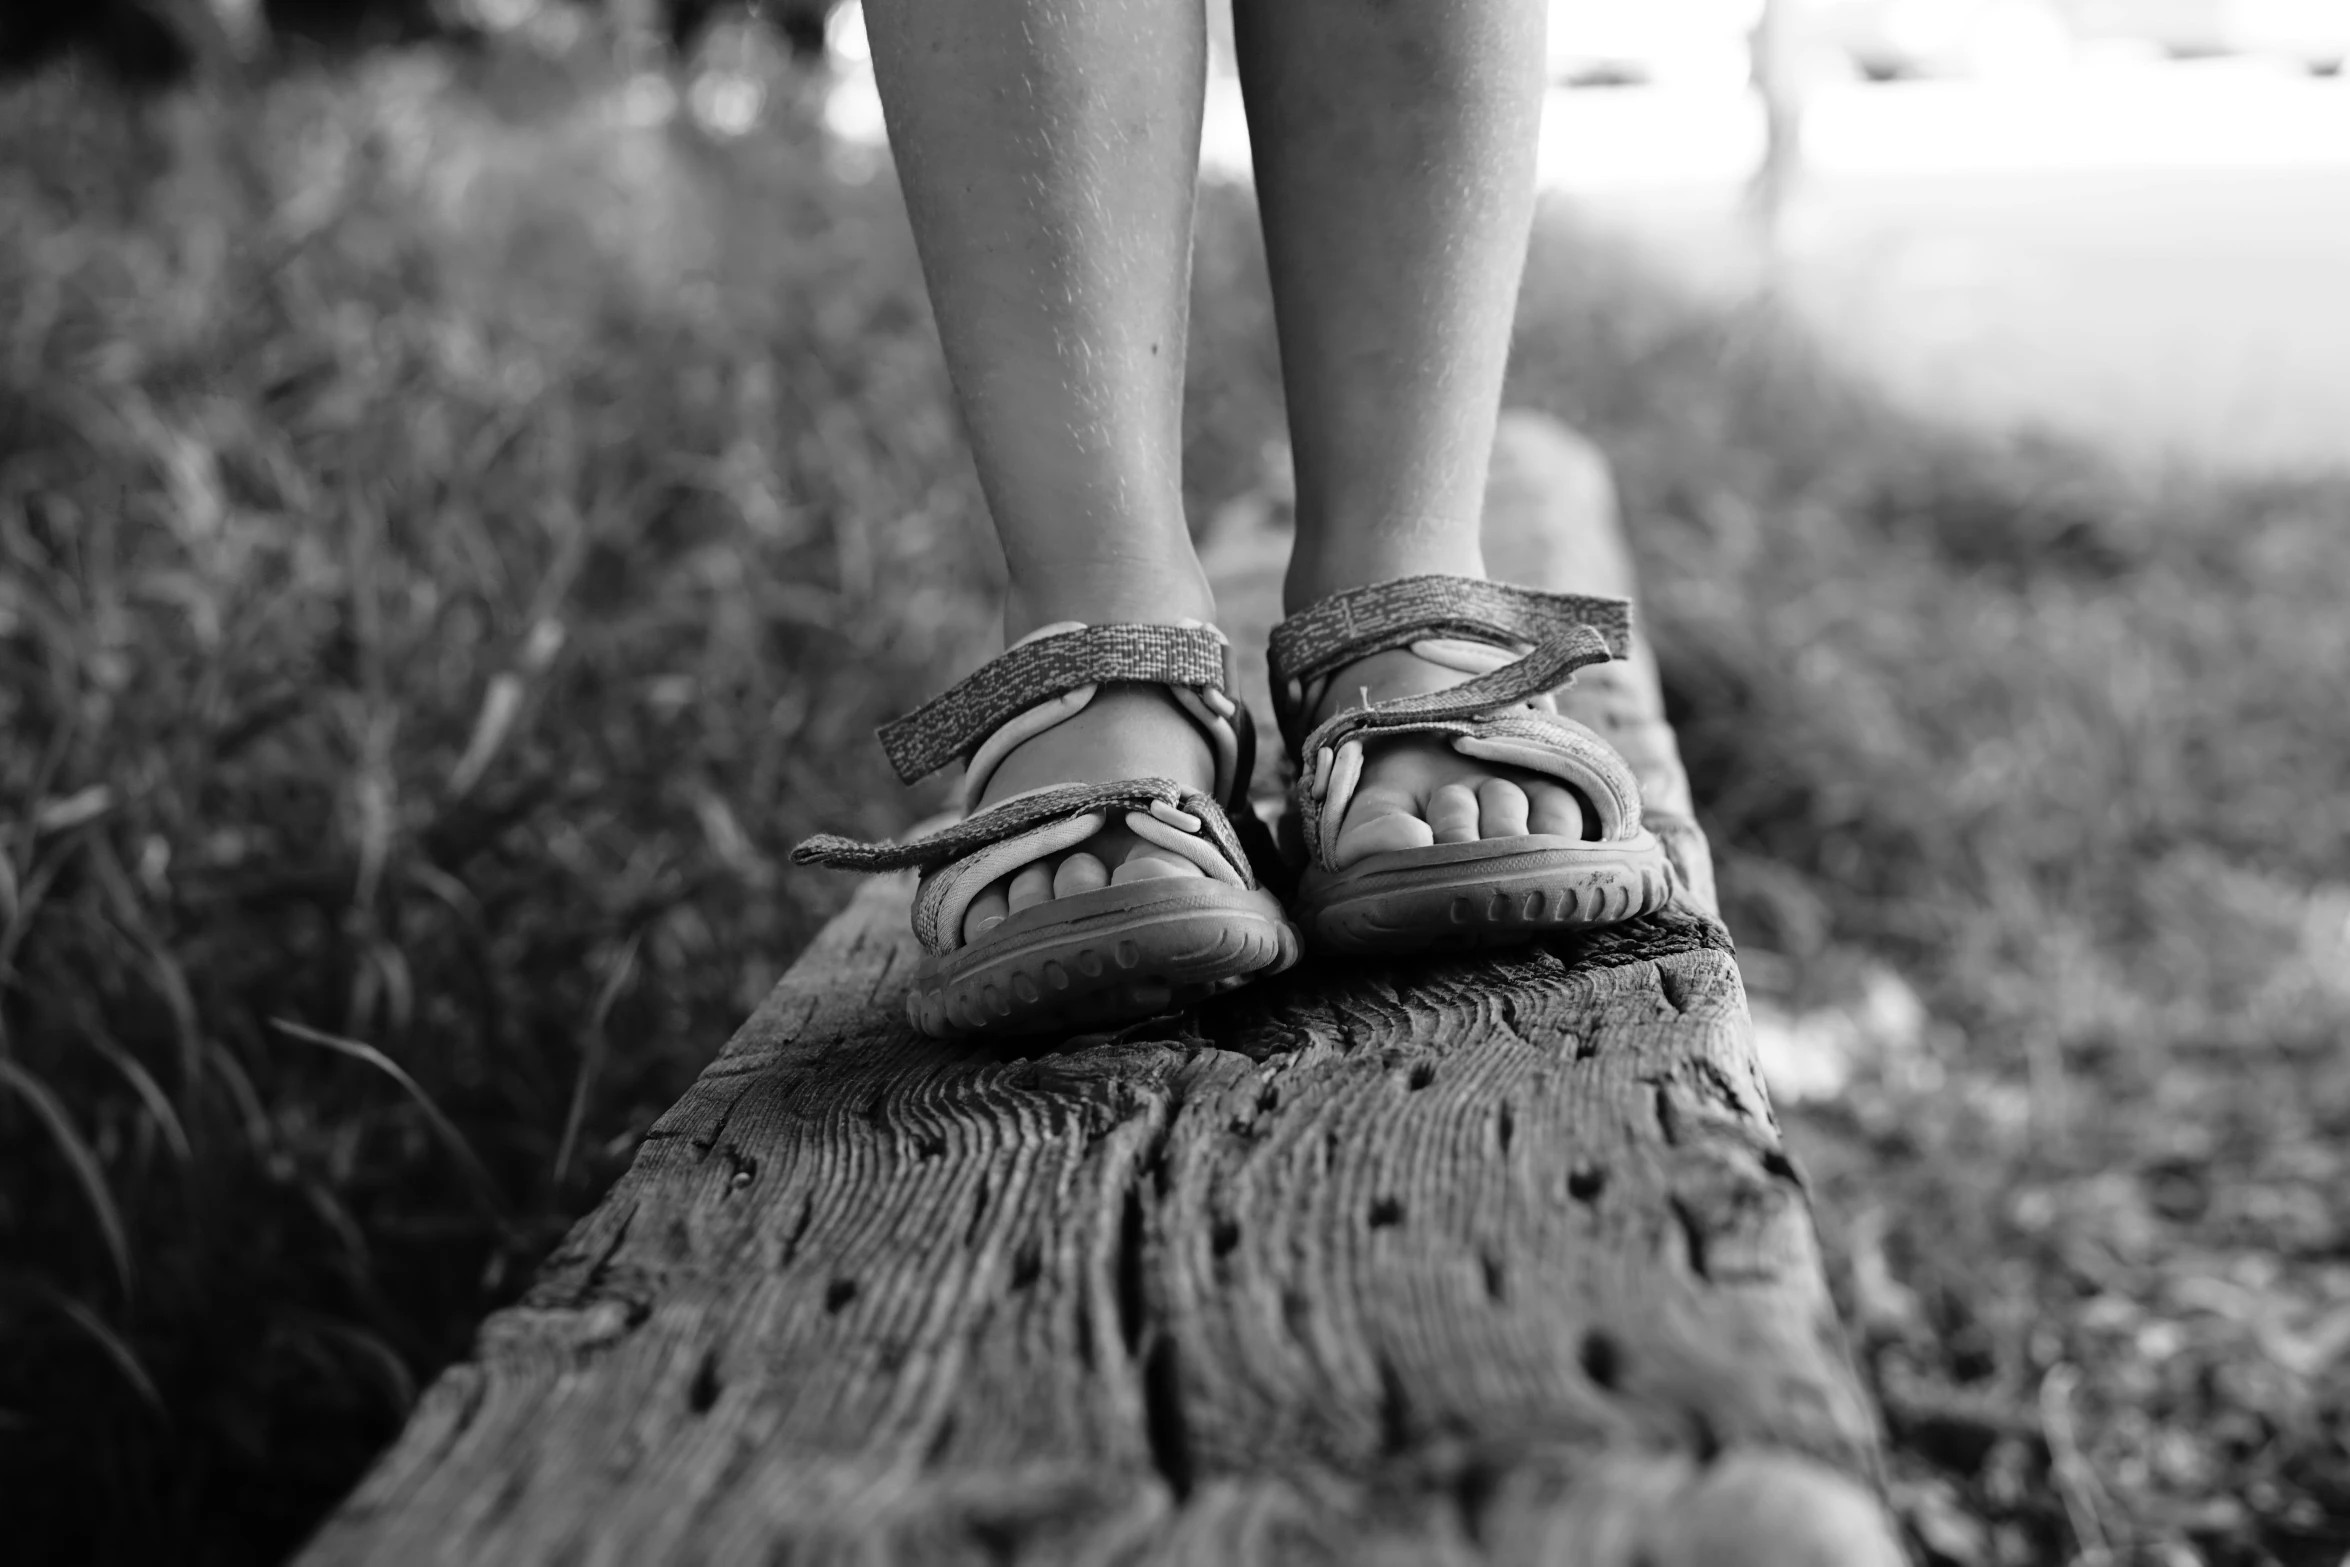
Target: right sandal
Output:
[(1512, 647)]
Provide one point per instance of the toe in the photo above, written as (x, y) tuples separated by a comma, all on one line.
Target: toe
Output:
[(1502, 809), (1452, 813), (1031, 886), (986, 912), (1553, 810), (1146, 866), (1382, 832), (1080, 872)]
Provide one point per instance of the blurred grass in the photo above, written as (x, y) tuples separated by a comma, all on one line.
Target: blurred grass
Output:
[(447, 561), (456, 537)]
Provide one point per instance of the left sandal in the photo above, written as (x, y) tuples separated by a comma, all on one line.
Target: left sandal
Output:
[(1513, 646)]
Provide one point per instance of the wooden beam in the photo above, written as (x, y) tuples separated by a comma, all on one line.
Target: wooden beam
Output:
[(1463, 1260)]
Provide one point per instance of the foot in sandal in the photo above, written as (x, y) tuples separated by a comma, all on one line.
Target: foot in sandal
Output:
[(1081, 888), (1128, 730), (1419, 792), (1441, 801)]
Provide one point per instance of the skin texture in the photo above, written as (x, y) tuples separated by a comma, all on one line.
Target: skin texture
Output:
[(1414, 794), (1048, 150)]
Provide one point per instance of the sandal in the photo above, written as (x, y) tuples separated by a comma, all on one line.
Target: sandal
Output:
[(1514, 646), (1118, 952)]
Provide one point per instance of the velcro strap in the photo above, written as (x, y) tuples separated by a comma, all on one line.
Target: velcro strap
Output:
[(1362, 621), (953, 723), (1539, 672), (1018, 815)]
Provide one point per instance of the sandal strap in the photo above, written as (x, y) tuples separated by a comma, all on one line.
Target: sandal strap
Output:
[(1366, 620), (938, 926), (1005, 819), (958, 720), (1522, 680)]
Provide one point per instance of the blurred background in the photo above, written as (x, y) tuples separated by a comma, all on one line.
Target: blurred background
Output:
[(472, 473)]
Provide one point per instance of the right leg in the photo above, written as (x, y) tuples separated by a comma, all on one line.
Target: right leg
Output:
[(1048, 152)]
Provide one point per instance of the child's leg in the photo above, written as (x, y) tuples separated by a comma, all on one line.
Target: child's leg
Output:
[(1048, 153), (1395, 149)]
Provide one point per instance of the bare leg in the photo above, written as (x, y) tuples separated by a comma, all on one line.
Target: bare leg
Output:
[(1395, 144), (1048, 151)]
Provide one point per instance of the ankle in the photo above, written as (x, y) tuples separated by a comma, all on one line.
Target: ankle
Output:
[(1128, 730), (1381, 677), (1317, 573), (1153, 593)]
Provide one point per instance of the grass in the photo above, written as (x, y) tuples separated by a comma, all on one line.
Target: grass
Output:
[(2058, 744), (453, 539), (427, 623)]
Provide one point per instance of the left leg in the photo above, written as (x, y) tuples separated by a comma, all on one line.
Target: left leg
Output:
[(1395, 147)]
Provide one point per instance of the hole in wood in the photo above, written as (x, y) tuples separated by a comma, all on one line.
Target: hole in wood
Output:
[(1668, 1117), (978, 1214), (1705, 1443), (1472, 1493), (1130, 1301), (799, 1232), (1602, 1361), (838, 1294), (1674, 986), (1269, 1101), (1163, 1423), (1505, 1127), (1223, 1235), (1423, 1073), (1720, 1089), (931, 1147), (1395, 1410), (703, 1391), (1693, 1236), (1386, 1211), (1496, 1278), (1585, 1182), (1776, 1163), (1027, 1266), (1000, 1539)]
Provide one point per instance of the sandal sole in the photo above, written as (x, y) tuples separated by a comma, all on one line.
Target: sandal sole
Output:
[(1110, 956), (1495, 892)]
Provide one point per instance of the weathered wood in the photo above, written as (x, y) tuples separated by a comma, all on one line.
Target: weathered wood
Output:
[(1484, 1260)]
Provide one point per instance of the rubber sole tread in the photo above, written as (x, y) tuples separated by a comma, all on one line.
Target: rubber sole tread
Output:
[(1073, 963), (1506, 899)]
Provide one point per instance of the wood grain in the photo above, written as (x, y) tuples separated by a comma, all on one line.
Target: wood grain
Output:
[(1449, 1261)]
